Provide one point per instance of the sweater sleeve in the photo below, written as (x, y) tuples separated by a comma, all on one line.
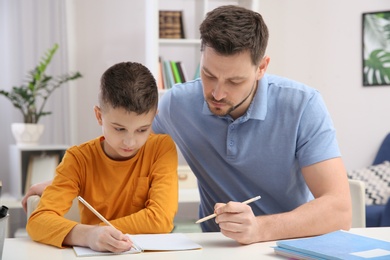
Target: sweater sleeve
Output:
[(47, 224)]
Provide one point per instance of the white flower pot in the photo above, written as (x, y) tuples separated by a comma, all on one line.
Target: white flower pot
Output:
[(27, 134)]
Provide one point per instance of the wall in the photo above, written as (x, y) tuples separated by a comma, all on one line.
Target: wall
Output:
[(316, 42), (101, 33), (319, 43)]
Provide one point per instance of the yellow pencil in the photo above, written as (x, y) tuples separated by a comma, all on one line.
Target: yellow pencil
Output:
[(214, 215)]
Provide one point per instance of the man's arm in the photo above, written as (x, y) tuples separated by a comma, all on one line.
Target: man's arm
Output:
[(330, 210)]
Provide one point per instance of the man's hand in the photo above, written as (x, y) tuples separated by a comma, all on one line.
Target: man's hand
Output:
[(36, 189), (237, 221)]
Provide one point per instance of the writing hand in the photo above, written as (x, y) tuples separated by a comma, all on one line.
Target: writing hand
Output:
[(237, 221), (105, 238)]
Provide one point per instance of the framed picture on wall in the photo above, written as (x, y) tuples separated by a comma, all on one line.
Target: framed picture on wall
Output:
[(376, 48)]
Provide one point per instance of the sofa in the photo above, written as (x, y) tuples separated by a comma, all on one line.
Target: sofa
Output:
[(377, 185)]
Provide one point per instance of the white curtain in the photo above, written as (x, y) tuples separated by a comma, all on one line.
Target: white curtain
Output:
[(28, 28)]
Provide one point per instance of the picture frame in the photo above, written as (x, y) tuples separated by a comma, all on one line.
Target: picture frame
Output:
[(376, 48), (41, 168)]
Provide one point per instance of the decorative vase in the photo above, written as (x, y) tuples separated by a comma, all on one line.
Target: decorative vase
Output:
[(27, 134)]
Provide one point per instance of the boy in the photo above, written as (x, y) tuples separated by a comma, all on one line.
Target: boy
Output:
[(129, 175)]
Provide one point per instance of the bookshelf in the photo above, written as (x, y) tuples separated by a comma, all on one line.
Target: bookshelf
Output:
[(20, 159), (185, 50)]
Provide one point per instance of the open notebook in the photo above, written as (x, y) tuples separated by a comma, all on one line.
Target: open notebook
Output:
[(149, 242)]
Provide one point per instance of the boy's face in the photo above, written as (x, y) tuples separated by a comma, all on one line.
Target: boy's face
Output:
[(125, 133)]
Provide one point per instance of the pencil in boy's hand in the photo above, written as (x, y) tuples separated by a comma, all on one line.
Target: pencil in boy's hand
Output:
[(94, 211), (214, 215)]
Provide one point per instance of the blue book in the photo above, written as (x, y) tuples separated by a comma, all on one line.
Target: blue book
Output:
[(334, 245), (169, 74)]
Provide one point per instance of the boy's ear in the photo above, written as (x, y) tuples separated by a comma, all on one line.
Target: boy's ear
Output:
[(98, 114)]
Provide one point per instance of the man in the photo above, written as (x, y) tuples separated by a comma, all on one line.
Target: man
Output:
[(245, 133)]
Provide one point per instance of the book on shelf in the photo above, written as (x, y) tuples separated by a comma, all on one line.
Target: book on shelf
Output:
[(197, 72), (171, 24), (160, 77), (148, 242), (182, 72), (335, 245), (175, 71), (172, 72), (168, 74)]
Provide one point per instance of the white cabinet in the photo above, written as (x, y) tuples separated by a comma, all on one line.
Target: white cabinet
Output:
[(185, 50), (19, 162)]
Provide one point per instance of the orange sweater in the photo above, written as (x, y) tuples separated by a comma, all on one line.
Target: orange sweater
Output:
[(139, 195)]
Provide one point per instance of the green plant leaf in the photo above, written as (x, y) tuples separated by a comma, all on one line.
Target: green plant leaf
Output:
[(30, 98), (376, 69)]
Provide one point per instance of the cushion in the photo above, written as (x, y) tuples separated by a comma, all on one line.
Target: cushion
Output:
[(377, 181)]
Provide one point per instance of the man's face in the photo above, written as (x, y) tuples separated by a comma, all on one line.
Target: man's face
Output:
[(229, 82)]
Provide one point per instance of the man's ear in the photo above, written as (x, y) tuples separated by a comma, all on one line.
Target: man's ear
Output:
[(263, 67), (98, 114)]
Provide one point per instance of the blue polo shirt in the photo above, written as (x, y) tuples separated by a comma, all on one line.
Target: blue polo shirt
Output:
[(286, 127)]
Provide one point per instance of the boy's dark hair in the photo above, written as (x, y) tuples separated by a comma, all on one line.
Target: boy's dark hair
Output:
[(232, 29), (128, 85)]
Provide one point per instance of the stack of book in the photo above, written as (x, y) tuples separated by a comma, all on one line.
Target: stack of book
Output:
[(171, 24), (170, 73), (340, 244)]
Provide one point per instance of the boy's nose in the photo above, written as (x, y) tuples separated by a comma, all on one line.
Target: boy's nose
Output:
[(129, 141)]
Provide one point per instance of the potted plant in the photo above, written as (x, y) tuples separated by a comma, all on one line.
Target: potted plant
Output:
[(31, 97)]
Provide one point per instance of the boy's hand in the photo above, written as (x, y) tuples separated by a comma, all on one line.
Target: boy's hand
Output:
[(104, 238), (36, 189), (98, 238)]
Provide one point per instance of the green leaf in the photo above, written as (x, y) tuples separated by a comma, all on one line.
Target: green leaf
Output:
[(30, 98), (376, 69)]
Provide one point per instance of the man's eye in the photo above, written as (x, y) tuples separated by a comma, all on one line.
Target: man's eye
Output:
[(235, 83)]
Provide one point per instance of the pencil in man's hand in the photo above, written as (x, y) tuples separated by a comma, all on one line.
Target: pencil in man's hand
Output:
[(214, 215)]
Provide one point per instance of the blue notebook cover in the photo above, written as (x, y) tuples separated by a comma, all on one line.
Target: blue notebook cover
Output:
[(334, 245)]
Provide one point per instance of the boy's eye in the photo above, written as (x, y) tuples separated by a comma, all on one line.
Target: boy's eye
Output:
[(142, 130), (119, 129)]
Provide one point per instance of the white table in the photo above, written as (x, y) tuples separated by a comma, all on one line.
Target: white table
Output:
[(215, 246)]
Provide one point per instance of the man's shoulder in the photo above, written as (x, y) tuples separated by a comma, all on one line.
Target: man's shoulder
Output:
[(186, 88), (283, 83), (182, 96)]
